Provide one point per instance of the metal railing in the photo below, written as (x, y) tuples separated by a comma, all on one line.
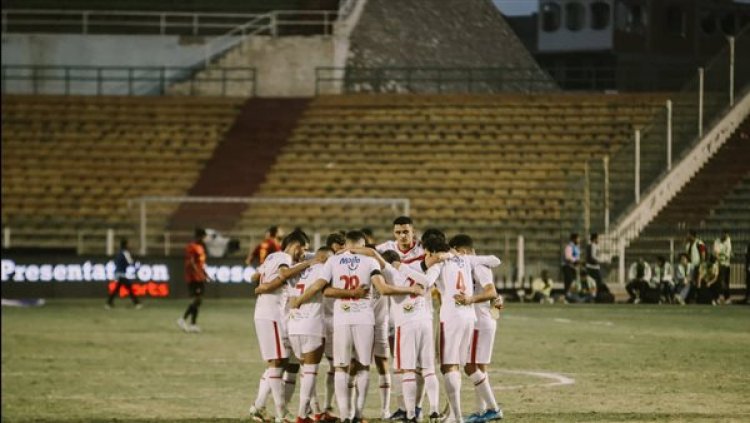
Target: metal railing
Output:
[(281, 22), (330, 80), (117, 80)]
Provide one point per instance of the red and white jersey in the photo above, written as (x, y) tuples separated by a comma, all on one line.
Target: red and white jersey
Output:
[(413, 256), (407, 309), (268, 306), (308, 318), (483, 277), (349, 271)]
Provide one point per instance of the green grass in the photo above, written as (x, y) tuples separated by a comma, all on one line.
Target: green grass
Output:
[(73, 361)]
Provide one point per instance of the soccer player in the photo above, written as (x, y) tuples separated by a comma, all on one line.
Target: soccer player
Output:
[(454, 280), (306, 331), (484, 334), (122, 261), (350, 277), (411, 253), (196, 278), (335, 241), (269, 325), (414, 343)]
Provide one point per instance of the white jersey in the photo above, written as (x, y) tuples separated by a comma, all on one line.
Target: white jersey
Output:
[(482, 276), (408, 308), (308, 318), (453, 277), (412, 257), (268, 306), (349, 271)]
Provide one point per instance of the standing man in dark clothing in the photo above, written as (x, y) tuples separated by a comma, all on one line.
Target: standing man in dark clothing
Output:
[(571, 260), (196, 278), (122, 261)]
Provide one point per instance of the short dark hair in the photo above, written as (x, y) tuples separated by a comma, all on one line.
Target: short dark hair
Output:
[(461, 241), (434, 244), (432, 232), (403, 220), (661, 259), (297, 236), (325, 249), (199, 233), (693, 232), (390, 256), (367, 231), (355, 236), (124, 243), (335, 238), (273, 231), (594, 236), (573, 236)]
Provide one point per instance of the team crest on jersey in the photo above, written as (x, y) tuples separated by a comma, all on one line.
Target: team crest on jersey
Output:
[(352, 263), (459, 261)]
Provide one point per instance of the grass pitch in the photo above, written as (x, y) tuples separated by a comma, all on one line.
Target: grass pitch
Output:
[(71, 360)]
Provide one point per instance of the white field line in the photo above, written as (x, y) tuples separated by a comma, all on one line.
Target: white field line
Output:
[(555, 379)]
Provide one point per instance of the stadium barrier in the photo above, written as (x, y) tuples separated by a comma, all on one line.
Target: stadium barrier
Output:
[(119, 80), (37, 275)]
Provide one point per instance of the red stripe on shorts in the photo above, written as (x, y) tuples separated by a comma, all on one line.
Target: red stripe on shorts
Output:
[(442, 342), (278, 341), (474, 342), (398, 347)]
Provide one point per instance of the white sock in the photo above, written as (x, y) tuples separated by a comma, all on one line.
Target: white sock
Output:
[(329, 390), (263, 391), (483, 389), (409, 391), (453, 390), (420, 390), (307, 388), (398, 390), (432, 388), (384, 383), (352, 395), (363, 381), (277, 389), (341, 381), (290, 382)]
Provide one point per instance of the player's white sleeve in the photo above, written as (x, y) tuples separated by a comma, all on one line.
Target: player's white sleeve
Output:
[(483, 275), (326, 273), (286, 260), (433, 273), (417, 276), (489, 261)]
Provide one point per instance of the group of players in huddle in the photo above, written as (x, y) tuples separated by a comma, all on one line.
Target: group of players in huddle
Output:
[(339, 302)]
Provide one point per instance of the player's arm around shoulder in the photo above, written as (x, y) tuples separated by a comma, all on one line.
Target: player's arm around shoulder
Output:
[(310, 292)]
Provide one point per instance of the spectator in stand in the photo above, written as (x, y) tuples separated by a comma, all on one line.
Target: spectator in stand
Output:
[(571, 260), (581, 290), (639, 275), (369, 237), (122, 261), (708, 281), (593, 266), (682, 284), (696, 252), (723, 251), (541, 289), (663, 279), (271, 244)]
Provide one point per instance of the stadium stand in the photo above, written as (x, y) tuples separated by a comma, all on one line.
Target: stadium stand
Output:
[(71, 163), (490, 165)]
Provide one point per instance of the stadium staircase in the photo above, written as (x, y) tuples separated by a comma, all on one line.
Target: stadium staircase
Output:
[(240, 162), (71, 163), (494, 166)]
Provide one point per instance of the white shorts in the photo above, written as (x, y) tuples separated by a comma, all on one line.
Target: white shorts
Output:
[(380, 347), (352, 338), (303, 344), (414, 346), (270, 338), (455, 341), (328, 337), (482, 343)]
